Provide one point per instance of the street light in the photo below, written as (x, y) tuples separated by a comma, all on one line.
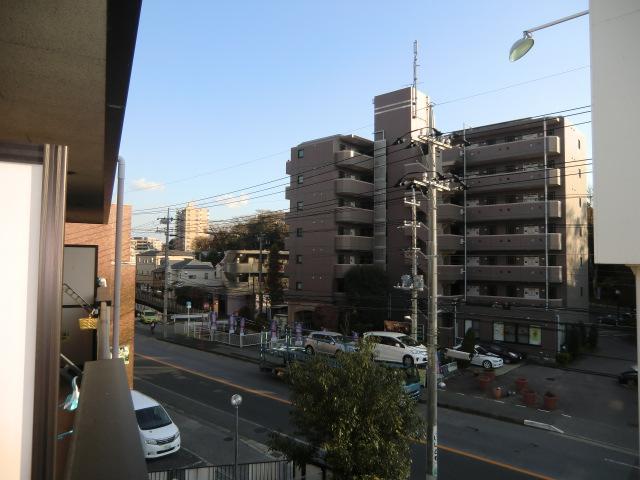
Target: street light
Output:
[(236, 401), (520, 48)]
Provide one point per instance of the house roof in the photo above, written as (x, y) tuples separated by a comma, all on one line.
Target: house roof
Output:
[(191, 264)]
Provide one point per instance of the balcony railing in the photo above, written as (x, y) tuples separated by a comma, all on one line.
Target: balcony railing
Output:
[(354, 243), (354, 215), (517, 150), (354, 188), (513, 211), (518, 301), (353, 160), (514, 273), (521, 180), (514, 242)]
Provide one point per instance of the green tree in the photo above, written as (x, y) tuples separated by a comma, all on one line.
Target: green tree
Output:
[(352, 412), (274, 275), (366, 289)]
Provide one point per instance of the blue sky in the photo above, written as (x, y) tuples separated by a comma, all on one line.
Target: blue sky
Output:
[(221, 90)]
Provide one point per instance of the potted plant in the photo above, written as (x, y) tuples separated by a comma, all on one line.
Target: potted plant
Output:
[(497, 392), (550, 401), (529, 397), (521, 384)]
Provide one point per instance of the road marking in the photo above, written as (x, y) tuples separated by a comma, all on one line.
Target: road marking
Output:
[(495, 462), (215, 379), (458, 393), (565, 415), (521, 406), (545, 411), (288, 402), (543, 426), (621, 463), (499, 401)]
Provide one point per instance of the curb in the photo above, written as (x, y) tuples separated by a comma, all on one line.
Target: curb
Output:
[(214, 352), (482, 413)]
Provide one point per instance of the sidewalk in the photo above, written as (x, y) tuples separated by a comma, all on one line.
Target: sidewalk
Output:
[(590, 406)]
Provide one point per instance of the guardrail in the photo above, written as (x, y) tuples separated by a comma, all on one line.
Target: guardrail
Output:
[(274, 470)]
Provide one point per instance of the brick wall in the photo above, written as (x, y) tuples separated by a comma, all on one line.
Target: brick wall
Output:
[(103, 236)]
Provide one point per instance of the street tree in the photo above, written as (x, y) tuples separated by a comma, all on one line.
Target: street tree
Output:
[(353, 413)]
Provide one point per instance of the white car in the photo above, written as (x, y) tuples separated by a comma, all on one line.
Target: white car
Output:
[(330, 343), (397, 347), (486, 360), (159, 435)]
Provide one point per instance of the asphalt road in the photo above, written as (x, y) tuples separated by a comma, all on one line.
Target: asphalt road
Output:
[(196, 387)]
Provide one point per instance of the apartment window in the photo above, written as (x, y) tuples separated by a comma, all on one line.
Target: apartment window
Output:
[(298, 259), (206, 275), (299, 206), (192, 277), (550, 131), (578, 144), (498, 331), (580, 260), (299, 232), (491, 141), (472, 325), (301, 153), (300, 179), (580, 201), (298, 285)]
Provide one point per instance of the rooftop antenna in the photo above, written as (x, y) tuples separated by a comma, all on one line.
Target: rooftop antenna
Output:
[(414, 89)]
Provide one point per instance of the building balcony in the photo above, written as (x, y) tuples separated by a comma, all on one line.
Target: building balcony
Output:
[(490, 154), (237, 268), (517, 301), (340, 270), (450, 273), (354, 215), (525, 242), (521, 180), (448, 242), (422, 231), (354, 243), (448, 212), (513, 273), (353, 188), (414, 171), (513, 211), (353, 160)]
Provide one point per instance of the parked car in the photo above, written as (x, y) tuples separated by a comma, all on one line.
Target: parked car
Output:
[(158, 434), (508, 355), (629, 377), (148, 316), (330, 343), (397, 347), (477, 357)]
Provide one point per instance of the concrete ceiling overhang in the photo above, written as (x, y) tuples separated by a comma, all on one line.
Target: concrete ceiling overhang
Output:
[(64, 76)]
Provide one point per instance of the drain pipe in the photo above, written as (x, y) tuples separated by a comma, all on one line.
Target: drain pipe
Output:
[(117, 277)]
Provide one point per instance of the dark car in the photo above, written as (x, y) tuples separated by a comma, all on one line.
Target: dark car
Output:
[(630, 377), (508, 355)]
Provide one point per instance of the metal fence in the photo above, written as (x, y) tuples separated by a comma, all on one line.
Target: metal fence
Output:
[(274, 470)]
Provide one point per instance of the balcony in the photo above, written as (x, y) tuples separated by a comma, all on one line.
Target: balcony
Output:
[(237, 268), (354, 215), (414, 171), (448, 212), (522, 149), (513, 242), (450, 273), (341, 269), (517, 301), (422, 231), (513, 211), (354, 243), (514, 273), (448, 242), (353, 160), (353, 188), (521, 180)]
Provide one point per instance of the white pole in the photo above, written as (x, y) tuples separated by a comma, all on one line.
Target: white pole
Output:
[(117, 275)]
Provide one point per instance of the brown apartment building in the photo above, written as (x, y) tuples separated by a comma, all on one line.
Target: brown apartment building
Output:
[(497, 272)]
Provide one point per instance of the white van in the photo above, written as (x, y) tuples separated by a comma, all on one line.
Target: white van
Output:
[(159, 435), (397, 347)]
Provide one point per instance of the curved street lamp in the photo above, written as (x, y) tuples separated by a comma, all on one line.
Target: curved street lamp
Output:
[(520, 48)]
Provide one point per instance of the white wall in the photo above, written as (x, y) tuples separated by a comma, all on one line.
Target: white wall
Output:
[(615, 99), (20, 194)]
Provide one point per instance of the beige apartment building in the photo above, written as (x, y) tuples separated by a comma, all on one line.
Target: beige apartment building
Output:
[(191, 222), (498, 272)]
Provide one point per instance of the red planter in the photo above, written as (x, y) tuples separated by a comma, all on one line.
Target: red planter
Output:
[(490, 374), (497, 393), (550, 402), (529, 397), (484, 383), (521, 384)]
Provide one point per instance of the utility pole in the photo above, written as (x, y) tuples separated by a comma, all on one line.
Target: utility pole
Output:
[(260, 239), (416, 282), (165, 316)]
